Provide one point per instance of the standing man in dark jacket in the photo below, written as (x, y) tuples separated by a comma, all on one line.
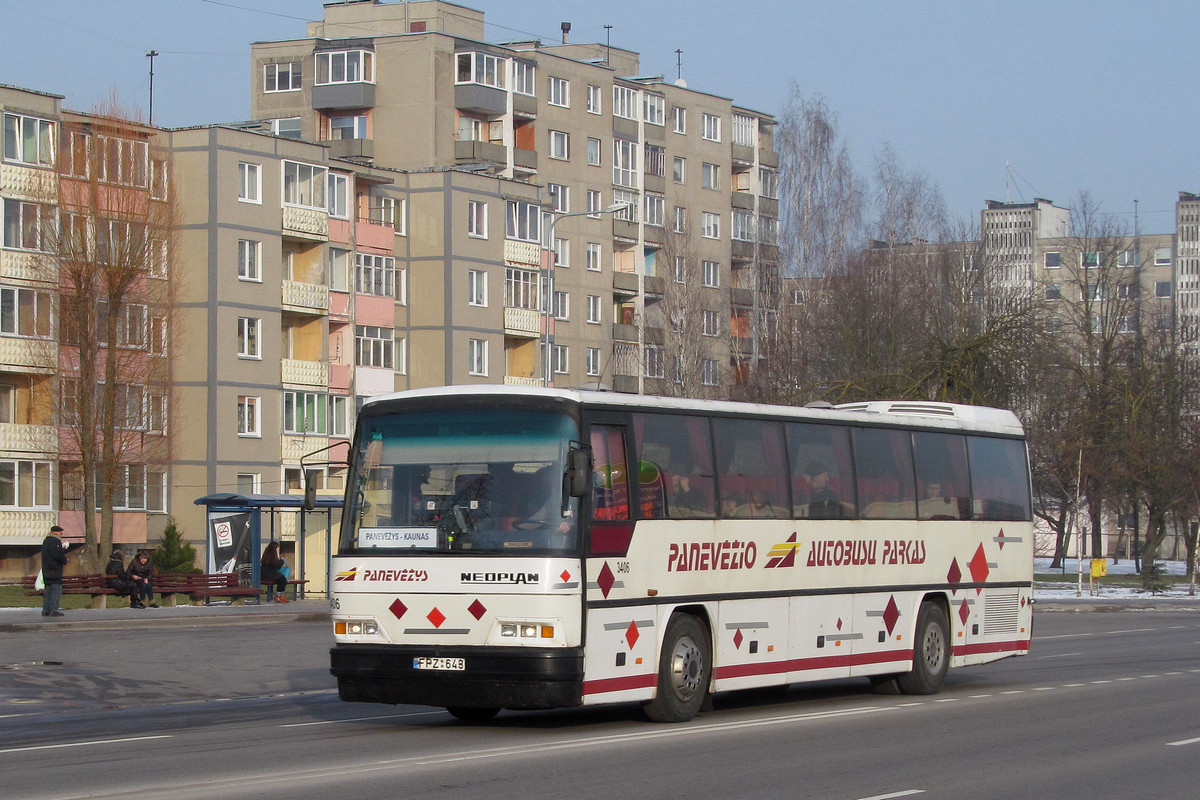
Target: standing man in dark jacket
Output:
[(54, 558)]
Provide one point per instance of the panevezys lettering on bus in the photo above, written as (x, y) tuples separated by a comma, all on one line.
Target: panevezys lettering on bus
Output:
[(708, 556)]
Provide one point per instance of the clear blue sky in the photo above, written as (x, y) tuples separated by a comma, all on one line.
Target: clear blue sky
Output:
[(1073, 95)]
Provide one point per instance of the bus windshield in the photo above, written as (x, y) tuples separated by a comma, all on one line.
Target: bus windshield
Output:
[(470, 480)]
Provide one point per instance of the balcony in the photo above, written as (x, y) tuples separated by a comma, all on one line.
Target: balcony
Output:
[(625, 230), (525, 159), (625, 333), (311, 298), (523, 322), (36, 440), (351, 148), (295, 446), (25, 527), (330, 96), (306, 223), (527, 254), (480, 99), (516, 380), (305, 373), (743, 200), (470, 151), (22, 266), (27, 182), (743, 155), (31, 355)]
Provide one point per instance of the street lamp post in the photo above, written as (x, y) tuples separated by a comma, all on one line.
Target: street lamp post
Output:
[(548, 305)]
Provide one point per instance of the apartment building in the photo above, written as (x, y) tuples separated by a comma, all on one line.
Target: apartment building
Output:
[(413, 86)]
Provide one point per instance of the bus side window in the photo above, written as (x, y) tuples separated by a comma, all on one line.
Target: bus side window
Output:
[(941, 463), (610, 490), (751, 469), (884, 465), (679, 449), (822, 476), (999, 478)]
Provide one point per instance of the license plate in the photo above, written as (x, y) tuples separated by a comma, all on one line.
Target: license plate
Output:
[(454, 664)]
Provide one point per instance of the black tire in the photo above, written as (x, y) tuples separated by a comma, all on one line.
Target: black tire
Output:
[(931, 653), (684, 671), (472, 714)]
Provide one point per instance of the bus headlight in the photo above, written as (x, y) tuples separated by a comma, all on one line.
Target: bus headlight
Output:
[(526, 630), (356, 627)]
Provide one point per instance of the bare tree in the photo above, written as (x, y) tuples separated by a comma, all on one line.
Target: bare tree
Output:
[(111, 251)]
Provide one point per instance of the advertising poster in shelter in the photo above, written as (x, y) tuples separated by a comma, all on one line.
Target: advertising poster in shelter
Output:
[(230, 541)]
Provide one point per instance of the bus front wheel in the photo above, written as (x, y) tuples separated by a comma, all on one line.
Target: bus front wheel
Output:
[(684, 670), (931, 653)]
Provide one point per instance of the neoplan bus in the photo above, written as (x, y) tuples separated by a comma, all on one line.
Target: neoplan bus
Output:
[(539, 548)]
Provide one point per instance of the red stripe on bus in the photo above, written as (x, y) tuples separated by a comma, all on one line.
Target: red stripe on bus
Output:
[(991, 647), (619, 684), (810, 664)]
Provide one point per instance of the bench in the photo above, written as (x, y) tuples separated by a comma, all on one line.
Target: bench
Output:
[(294, 584), (94, 585), (203, 587)]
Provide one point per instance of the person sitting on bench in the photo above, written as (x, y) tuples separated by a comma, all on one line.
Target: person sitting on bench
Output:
[(271, 571), (116, 577)]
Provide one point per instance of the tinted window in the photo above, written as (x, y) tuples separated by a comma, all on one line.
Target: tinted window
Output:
[(942, 480), (999, 478), (884, 468), (751, 469), (675, 474), (822, 476)]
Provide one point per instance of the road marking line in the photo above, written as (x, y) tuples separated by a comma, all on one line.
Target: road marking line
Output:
[(904, 793), (1099, 682), (1182, 742), (85, 744), (361, 719), (1060, 655), (1045, 689), (1073, 685)]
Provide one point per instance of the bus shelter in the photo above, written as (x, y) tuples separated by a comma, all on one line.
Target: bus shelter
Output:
[(235, 534)]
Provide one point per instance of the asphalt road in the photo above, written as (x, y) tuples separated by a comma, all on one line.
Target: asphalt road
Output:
[(1107, 706)]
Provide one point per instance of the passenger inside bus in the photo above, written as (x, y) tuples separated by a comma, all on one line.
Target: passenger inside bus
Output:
[(685, 499), (823, 501)]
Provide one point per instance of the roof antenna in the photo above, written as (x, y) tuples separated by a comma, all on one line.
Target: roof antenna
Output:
[(678, 65), (150, 55), (607, 45)]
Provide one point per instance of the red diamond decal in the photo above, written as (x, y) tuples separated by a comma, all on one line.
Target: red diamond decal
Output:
[(839, 624), (436, 617), (891, 614), (631, 634), (979, 567), (477, 609), (605, 579), (398, 609), (737, 639), (1001, 538), (964, 611), (955, 574), (566, 576)]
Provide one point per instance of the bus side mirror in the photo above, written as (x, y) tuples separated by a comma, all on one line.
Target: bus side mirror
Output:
[(579, 471), (310, 491)]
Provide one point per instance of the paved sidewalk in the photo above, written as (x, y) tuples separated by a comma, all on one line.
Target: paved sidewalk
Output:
[(31, 619)]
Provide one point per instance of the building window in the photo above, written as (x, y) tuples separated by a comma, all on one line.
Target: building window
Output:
[(339, 196), (593, 152), (742, 226), (558, 92), (745, 130), (594, 307), (679, 119), (24, 223), (710, 274), (249, 483), (286, 127), (679, 223), (593, 256), (25, 312), (593, 361), (1162, 256), (679, 271), (708, 372), (25, 484), (304, 185), (1054, 292), (629, 205), (249, 256), (561, 354), (523, 221), (249, 334), (560, 145), (520, 288), (655, 160), (710, 225), (710, 324), (561, 306), (710, 176), (1162, 289), (768, 180), (656, 210), (477, 355), (351, 127), (282, 77), (249, 183), (28, 140), (345, 66), (373, 346), (625, 164), (339, 419), (249, 416), (710, 127), (653, 109), (595, 99), (679, 170), (562, 252), (476, 287), (375, 275), (306, 412), (655, 364), (624, 103), (560, 197), (595, 203), (339, 269), (523, 77), (477, 219), (480, 68)]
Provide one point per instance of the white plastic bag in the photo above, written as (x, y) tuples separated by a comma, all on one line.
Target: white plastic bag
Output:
[(40, 583)]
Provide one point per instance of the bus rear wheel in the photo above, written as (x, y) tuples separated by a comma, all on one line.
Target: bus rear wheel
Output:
[(684, 671), (931, 653), (472, 714)]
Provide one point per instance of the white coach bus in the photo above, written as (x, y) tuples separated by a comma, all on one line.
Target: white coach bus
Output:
[(540, 548)]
